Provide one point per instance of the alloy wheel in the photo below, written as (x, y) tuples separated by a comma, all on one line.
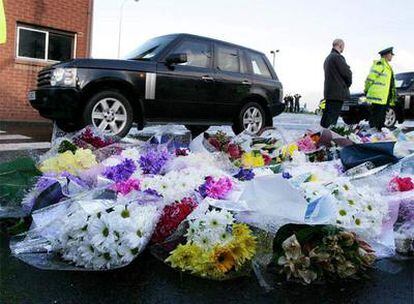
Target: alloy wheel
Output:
[(109, 115), (252, 120), (390, 118)]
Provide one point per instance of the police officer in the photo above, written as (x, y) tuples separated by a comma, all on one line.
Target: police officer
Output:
[(380, 88)]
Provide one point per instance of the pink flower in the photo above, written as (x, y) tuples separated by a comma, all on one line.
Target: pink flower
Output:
[(217, 189), (124, 187), (306, 144)]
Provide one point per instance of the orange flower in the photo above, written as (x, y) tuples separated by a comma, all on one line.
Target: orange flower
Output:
[(223, 259)]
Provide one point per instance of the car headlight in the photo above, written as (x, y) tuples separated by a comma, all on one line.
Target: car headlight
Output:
[(64, 77), (362, 99)]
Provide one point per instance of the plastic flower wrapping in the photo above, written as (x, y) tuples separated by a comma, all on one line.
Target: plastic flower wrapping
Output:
[(213, 207)]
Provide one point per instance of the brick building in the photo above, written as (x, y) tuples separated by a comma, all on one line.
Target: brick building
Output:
[(39, 33)]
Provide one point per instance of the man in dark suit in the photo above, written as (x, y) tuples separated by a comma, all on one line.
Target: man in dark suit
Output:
[(338, 79)]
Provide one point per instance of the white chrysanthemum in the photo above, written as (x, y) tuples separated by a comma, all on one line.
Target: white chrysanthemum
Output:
[(218, 219), (109, 237)]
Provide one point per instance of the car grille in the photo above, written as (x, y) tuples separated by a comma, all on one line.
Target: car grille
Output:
[(43, 78)]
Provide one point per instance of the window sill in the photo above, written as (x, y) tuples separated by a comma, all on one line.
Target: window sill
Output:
[(31, 62)]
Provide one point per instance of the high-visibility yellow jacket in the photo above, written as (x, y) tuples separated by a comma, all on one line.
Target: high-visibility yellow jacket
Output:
[(379, 85)]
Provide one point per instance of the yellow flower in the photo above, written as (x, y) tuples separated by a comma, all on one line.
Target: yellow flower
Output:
[(67, 161), (250, 160), (222, 258), (289, 149), (240, 230), (85, 158), (313, 178), (185, 257)]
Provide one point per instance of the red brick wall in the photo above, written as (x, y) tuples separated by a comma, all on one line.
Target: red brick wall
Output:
[(18, 76)]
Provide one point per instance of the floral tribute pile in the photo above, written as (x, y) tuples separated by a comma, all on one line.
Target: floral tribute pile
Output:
[(210, 209)]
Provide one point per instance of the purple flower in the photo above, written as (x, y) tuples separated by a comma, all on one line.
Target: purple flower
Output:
[(153, 161), (286, 175), (244, 174), (120, 172)]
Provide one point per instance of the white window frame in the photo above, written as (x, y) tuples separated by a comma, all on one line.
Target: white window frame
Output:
[(45, 59)]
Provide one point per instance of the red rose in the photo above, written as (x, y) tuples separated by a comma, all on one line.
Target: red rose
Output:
[(267, 159), (172, 216), (234, 151), (401, 184)]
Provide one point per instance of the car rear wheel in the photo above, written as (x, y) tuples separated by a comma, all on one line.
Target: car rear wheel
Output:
[(110, 112), (390, 118), (251, 119)]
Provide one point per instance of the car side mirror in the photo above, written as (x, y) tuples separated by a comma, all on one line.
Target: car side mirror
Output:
[(176, 58)]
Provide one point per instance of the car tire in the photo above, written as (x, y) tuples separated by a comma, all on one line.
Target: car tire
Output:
[(390, 118), (196, 129), (251, 118), (110, 112), (68, 126)]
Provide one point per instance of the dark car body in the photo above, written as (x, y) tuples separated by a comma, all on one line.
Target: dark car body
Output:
[(357, 109), (159, 92)]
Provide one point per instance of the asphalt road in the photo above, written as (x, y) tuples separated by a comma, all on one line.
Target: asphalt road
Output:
[(147, 280)]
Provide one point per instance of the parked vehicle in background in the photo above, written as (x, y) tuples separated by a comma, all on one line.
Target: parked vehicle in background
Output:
[(179, 78), (357, 109)]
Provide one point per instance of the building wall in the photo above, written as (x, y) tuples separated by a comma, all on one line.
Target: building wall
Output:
[(18, 76)]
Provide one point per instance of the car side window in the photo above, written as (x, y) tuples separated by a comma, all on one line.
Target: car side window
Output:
[(228, 59), (198, 53), (259, 66), (243, 63)]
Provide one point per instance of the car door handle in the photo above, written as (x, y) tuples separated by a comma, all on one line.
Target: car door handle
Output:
[(247, 82), (207, 78)]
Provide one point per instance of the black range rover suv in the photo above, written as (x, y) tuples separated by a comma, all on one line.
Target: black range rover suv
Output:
[(178, 78)]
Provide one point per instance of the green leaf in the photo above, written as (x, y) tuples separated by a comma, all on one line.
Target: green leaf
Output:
[(16, 177)]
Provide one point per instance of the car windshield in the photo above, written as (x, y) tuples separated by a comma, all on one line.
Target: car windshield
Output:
[(403, 81), (150, 49)]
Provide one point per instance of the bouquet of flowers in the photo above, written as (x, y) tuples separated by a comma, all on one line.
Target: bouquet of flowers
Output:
[(309, 254), (94, 232), (213, 246)]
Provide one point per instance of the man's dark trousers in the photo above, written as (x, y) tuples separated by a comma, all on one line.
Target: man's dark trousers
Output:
[(377, 117), (331, 113)]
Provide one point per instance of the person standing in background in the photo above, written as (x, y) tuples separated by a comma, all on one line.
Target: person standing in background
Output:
[(338, 79), (297, 105), (380, 88), (286, 100), (291, 103)]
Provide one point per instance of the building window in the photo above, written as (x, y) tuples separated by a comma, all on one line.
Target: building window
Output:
[(44, 44)]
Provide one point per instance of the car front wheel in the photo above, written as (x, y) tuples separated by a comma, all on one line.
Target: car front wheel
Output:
[(110, 112), (251, 119)]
